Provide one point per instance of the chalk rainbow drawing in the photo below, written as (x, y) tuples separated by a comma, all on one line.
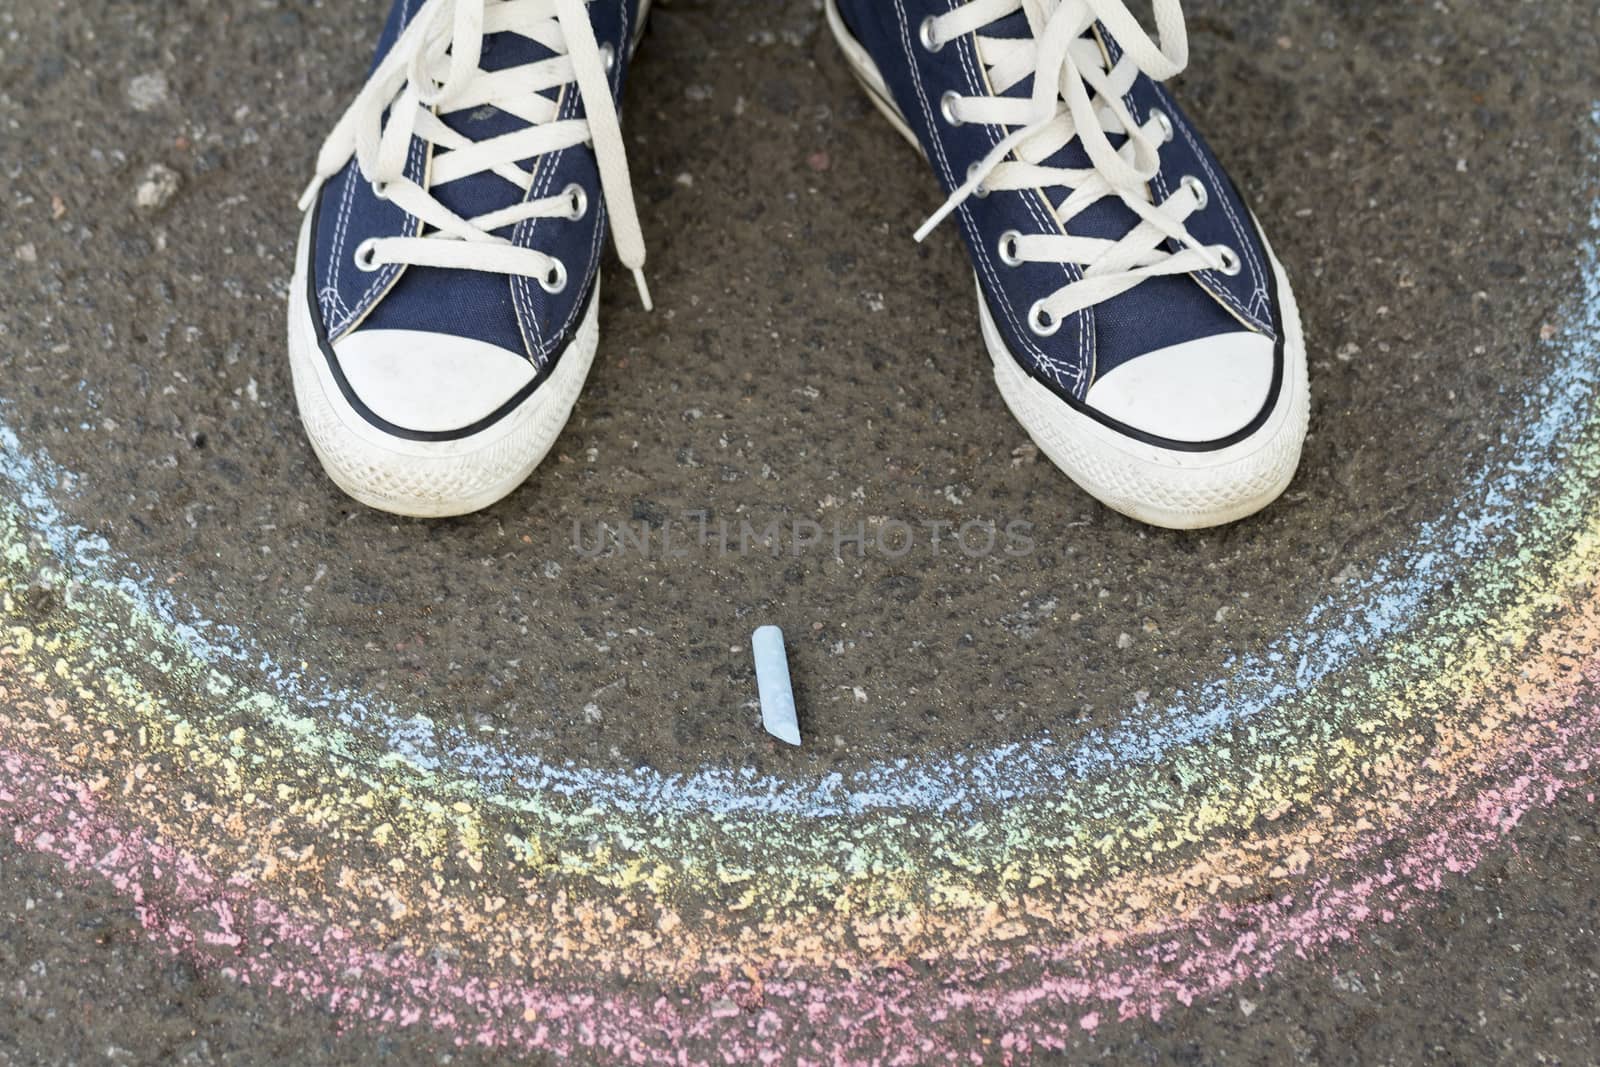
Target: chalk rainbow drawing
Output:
[(400, 874)]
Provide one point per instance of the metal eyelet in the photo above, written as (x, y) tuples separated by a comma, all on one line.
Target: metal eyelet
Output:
[(1165, 122), (1041, 322), (977, 190), (947, 107), (1231, 263), (930, 43), (608, 57), (380, 190), (1007, 248), (554, 279), (579, 200), (1202, 195), (366, 255)]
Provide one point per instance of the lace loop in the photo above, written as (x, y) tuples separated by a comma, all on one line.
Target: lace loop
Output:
[(434, 69)]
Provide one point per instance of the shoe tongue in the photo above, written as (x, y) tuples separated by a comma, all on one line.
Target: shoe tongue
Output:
[(1107, 218), (487, 191)]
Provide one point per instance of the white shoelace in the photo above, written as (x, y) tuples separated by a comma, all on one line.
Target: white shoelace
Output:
[(432, 71), (1065, 66)]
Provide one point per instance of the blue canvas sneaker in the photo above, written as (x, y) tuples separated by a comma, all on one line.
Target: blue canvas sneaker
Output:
[(1139, 326), (443, 314)]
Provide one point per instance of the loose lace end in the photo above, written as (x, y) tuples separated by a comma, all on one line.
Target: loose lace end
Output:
[(309, 197), (975, 178), (956, 200), (644, 290)]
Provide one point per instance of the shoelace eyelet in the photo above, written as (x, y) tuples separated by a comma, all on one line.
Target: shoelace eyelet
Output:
[(1165, 122), (380, 190), (580, 201), (608, 57), (1202, 195), (366, 255), (554, 280), (978, 190), (1041, 322), (1231, 263), (930, 43), (1008, 248), (947, 107)]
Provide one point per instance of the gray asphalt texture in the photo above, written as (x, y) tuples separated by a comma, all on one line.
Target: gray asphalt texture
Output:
[(1422, 170)]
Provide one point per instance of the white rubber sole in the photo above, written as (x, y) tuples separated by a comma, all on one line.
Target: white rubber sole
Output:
[(427, 479), (1160, 486)]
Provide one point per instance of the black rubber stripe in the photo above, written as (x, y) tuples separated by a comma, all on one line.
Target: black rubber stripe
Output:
[(378, 421)]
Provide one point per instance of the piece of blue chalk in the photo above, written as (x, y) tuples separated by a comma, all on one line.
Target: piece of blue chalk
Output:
[(772, 681)]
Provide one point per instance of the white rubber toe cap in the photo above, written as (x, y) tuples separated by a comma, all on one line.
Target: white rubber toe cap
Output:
[(1197, 391), (430, 382)]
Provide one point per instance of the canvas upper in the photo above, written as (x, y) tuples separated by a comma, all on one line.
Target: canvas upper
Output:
[(412, 329), (1213, 342)]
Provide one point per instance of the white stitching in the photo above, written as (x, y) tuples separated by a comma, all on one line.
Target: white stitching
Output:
[(1216, 288), (340, 232), (944, 163), (341, 224), (1067, 375), (386, 274), (1257, 274), (521, 295)]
